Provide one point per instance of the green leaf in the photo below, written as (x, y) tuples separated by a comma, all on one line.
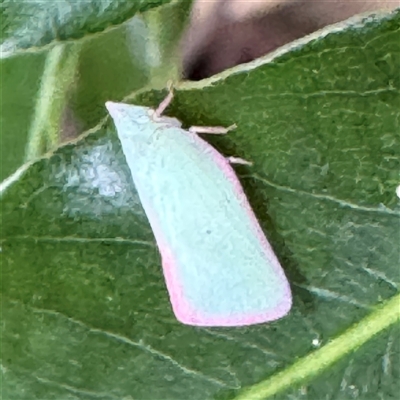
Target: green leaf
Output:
[(33, 23), (85, 309)]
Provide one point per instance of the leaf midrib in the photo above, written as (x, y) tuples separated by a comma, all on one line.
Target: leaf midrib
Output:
[(318, 361)]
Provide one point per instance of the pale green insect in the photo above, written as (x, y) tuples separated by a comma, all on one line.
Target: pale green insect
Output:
[(219, 268)]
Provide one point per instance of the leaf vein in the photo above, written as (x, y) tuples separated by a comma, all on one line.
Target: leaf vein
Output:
[(73, 239), (331, 295), (225, 336), (75, 390), (140, 345), (381, 209), (379, 275)]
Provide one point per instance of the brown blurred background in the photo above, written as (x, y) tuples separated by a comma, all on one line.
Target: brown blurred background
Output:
[(224, 33)]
